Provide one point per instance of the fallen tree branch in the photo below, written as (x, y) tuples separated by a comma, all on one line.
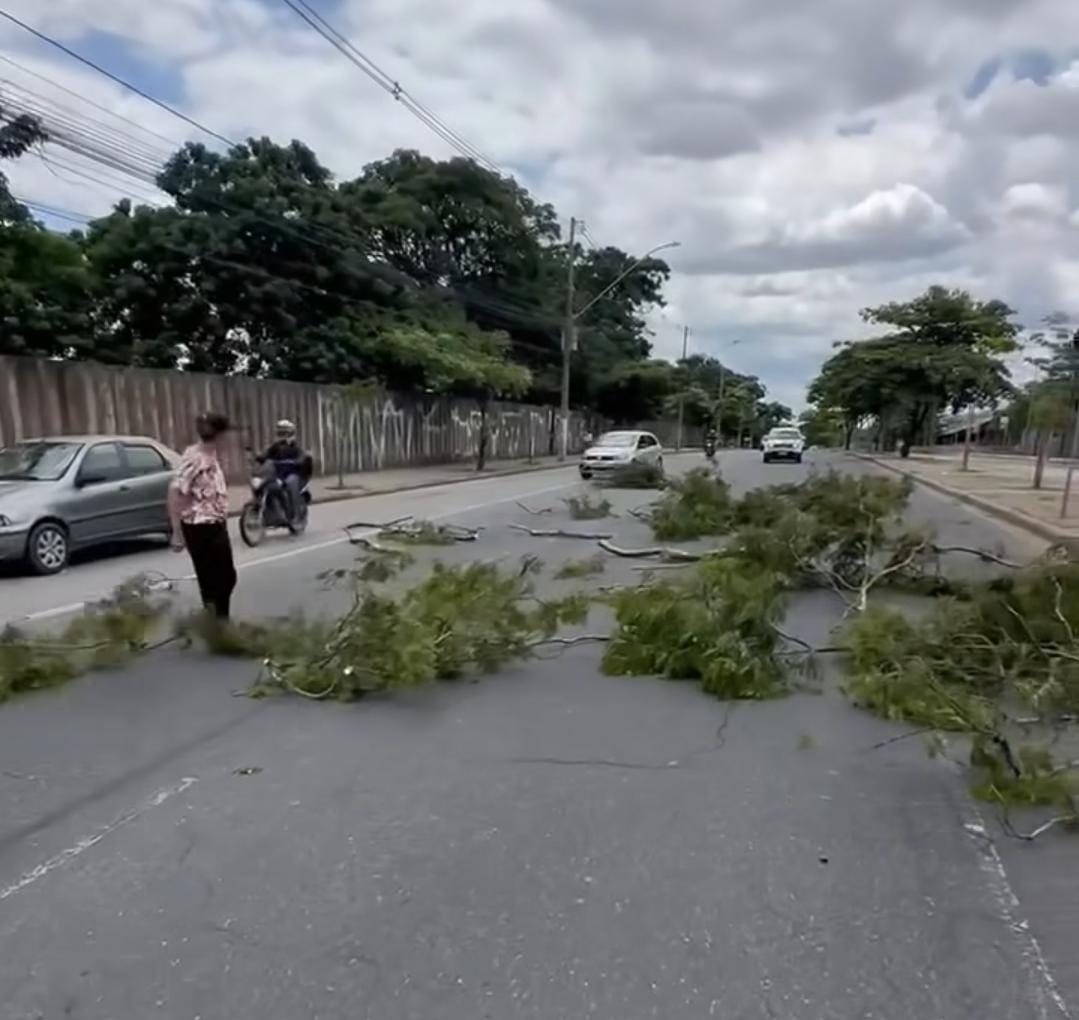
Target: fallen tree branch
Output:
[(1028, 837), (562, 533), (661, 552), (567, 642)]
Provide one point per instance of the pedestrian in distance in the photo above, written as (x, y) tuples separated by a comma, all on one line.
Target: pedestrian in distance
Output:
[(199, 512)]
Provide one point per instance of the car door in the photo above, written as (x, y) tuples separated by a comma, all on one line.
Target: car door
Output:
[(647, 449), (148, 475), (102, 505)]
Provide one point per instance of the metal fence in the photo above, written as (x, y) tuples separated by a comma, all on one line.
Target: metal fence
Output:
[(40, 398)]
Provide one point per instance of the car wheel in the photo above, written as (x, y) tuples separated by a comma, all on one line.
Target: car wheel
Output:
[(798, 459), (586, 475), (766, 458), (48, 549)]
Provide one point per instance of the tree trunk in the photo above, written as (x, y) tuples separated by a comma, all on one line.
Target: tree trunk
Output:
[(848, 436), (1042, 443), (340, 441), (481, 446)]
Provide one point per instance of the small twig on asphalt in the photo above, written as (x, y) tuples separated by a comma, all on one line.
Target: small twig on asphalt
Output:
[(562, 533), (379, 525), (903, 736), (536, 510), (369, 543)]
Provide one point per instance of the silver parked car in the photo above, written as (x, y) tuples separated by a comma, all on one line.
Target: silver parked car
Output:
[(620, 449), (70, 492)]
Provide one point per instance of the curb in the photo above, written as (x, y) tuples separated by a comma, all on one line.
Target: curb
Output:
[(1042, 529), (345, 494)]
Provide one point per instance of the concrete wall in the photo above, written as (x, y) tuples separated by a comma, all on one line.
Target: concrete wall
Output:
[(39, 398)]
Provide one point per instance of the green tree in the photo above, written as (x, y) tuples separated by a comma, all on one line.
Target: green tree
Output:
[(822, 426), (45, 294), (17, 135), (635, 391), (944, 351)]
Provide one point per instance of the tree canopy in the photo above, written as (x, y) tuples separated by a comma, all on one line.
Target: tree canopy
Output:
[(944, 349), (421, 274)]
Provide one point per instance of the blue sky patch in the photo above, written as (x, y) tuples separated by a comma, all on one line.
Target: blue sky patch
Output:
[(1036, 65), (161, 80)]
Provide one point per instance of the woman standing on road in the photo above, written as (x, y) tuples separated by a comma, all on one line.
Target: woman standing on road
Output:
[(199, 511)]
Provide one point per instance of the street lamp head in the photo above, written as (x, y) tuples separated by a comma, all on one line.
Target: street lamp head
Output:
[(664, 247)]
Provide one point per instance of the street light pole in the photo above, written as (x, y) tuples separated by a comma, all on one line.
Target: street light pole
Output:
[(568, 338), (719, 402), (682, 395), (569, 328)]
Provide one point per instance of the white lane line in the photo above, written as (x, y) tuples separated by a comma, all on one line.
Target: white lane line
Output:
[(302, 550), (68, 855), (1044, 989)]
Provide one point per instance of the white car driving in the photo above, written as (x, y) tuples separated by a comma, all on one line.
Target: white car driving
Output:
[(783, 443), (620, 449)]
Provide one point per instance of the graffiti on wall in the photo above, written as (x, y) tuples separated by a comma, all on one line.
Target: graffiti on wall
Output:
[(378, 430)]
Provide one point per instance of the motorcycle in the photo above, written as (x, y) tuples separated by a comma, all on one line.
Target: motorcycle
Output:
[(710, 450), (268, 506)]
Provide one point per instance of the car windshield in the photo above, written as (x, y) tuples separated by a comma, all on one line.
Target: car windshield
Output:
[(786, 434), (36, 462), (617, 439)]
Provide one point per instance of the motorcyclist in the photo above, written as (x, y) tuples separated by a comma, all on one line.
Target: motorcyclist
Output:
[(710, 439), (293, 465)]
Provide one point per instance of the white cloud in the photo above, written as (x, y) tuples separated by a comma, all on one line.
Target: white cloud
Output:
[(716, 124)]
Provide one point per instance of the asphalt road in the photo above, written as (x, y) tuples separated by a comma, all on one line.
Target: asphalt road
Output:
[(546, 843)]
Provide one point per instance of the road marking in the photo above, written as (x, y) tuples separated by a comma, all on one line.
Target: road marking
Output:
[(74, 607), (67, 856), (1048, 1000)]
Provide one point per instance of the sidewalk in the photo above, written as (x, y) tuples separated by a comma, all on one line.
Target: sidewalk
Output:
[(324, 488), (1000, 486)]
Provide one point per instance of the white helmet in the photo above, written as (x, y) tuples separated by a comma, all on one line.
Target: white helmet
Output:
[(285, 429)]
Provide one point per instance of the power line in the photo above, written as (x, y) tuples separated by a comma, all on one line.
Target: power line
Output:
[(56, 44), (89, 102), (344, 45), (114, 185)]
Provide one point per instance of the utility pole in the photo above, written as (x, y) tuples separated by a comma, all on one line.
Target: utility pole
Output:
[(569, 338), (682, 396)]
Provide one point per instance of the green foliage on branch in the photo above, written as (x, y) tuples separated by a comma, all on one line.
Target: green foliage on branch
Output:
[(582, 508), (459, 619), (697, 504), (106, 634), (716, 627)]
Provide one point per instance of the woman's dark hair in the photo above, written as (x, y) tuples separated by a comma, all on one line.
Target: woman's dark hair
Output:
[(210, 425)]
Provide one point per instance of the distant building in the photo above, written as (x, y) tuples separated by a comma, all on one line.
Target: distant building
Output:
[(988, 426)]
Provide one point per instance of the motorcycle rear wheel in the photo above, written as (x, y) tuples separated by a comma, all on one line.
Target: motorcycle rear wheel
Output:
[(252, 528)]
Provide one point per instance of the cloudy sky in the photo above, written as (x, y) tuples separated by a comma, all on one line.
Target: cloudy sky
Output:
[(811, 156)]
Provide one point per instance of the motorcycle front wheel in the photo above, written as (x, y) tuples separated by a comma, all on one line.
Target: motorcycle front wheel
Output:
[(252, 528)]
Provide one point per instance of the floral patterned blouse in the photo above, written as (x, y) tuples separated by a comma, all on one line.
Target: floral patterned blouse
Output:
[(200, 481)]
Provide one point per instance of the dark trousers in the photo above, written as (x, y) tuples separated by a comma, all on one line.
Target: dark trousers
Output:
[(211, 553)]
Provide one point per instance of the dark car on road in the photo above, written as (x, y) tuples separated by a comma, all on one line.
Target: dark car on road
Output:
[(65, 493)]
